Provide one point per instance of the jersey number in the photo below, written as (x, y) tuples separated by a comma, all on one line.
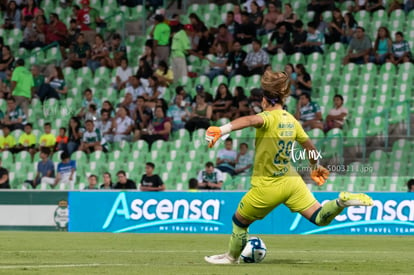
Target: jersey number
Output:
[(285, 148)]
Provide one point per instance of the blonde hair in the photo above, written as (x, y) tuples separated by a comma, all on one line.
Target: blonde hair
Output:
[(275, 85)]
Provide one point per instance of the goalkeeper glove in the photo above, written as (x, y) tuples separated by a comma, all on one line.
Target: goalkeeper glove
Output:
[(319, 174), (213, 133)]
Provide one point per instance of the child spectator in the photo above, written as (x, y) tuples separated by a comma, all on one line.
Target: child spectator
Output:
[(62, 140), (4, 177), (244, 161), (308, 113), (7, 141), (91, 139), (122, 75), (66, 173), (151, 181), (400, 50), (226, 158), (27, 140), (123, 182), (92, 183), (47, 140), (45, 168), (336, 116), (107, 181)]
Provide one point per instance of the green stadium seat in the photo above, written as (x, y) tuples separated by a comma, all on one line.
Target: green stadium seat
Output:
[(227, 7), (297, 58), (203, 80), (197, 9), (212, 8), (376, 126), (401, 144)]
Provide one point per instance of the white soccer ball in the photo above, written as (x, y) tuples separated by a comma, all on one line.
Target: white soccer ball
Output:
[(254, 251)]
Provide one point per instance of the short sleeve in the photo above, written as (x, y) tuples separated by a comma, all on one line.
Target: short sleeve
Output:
[(316, 108), (266, 119), (73, 164), (301, 135), (200, 176), (219, 175), (159, 181)]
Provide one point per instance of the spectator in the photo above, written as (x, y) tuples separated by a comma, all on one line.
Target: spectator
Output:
[(22, 85), (198, 27), (122, 75), (7, 141), (290, 71), (13, 15), (281, 37), (237, 14), (142, 115), (200, 115), (75, 133), (299, 37), (73, 33), (348, 28), (88, 100), (235, 60), (218, 64), (14, 117), (289, 17), (272, 18), (27, 140), (374, 5), (164, 75), (180, 47), (205, 45), (410, 184), (158, 129), (246, 32), (41, 27), (401, 52), (175, 24), (38, 78), (315, 40), (200, 90), (211, 178), (54, 85), (247, 6), (320, 24), (45, 168), (359, 47), (161, 38), (30, 9), (408, 6), (303, 81), (308, 113), (5, 86), (226, 158), (4, 177), (256, 15), (80, 54), (134, 87), (56, 31), (88, 18), (192, 184), (150, 58), (255, 101), (104, 125), (152, 91), (92, 183), (117, 51), (382, 47), (223, 36), (91, 139), (123, 125), (151, 181), (179, 90), (123, 182), (144, 71), (256, 59), (107, 181), (240, 104), (244, 161), (222, 102), (62, 140), (335, 27), (231, 24), (31, 38), (107, 106), (47, 140), (178, 113), (337, 115), (66, 173), (128, 102), (6, 62), (99, 54)]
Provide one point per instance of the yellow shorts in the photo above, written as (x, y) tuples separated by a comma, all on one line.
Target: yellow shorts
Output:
[(261, 200)]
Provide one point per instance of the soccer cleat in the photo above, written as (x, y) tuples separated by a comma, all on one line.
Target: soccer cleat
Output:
[(349, 199), (220, 259)]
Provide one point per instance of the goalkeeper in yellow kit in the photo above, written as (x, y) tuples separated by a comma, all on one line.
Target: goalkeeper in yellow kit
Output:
[(274, 180)]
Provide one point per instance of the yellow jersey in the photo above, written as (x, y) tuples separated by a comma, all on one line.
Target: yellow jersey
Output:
[(7, 142), (47, 140), (27, 140), (274, 141)]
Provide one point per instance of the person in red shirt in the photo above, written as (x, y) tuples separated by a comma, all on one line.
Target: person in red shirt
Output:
[(62, 140), (57, 31), (87, 19)]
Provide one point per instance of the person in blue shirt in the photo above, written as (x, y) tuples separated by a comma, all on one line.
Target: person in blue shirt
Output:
[(66, 172), (45, 168)]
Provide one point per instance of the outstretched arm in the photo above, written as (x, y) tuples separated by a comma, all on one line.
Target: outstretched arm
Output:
[(213, 133)]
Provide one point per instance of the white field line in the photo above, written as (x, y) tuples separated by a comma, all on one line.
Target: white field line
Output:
[(278, 251), (19, 266)]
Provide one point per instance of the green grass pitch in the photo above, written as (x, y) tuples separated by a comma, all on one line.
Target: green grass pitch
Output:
[(91, 253)]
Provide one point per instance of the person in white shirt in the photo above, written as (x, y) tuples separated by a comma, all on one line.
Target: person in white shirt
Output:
[(244, 161), (122, 75), (336, 116), (211, 178), (226, 158), (105, 126), (123, 125), (134, 88)]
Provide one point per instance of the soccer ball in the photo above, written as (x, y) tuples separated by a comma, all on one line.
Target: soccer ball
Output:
[(254, 251)]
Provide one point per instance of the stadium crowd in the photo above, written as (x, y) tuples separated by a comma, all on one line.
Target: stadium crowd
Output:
[(142, 109)]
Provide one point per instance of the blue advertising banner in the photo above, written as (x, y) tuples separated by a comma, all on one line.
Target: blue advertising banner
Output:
[(211, 212)]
